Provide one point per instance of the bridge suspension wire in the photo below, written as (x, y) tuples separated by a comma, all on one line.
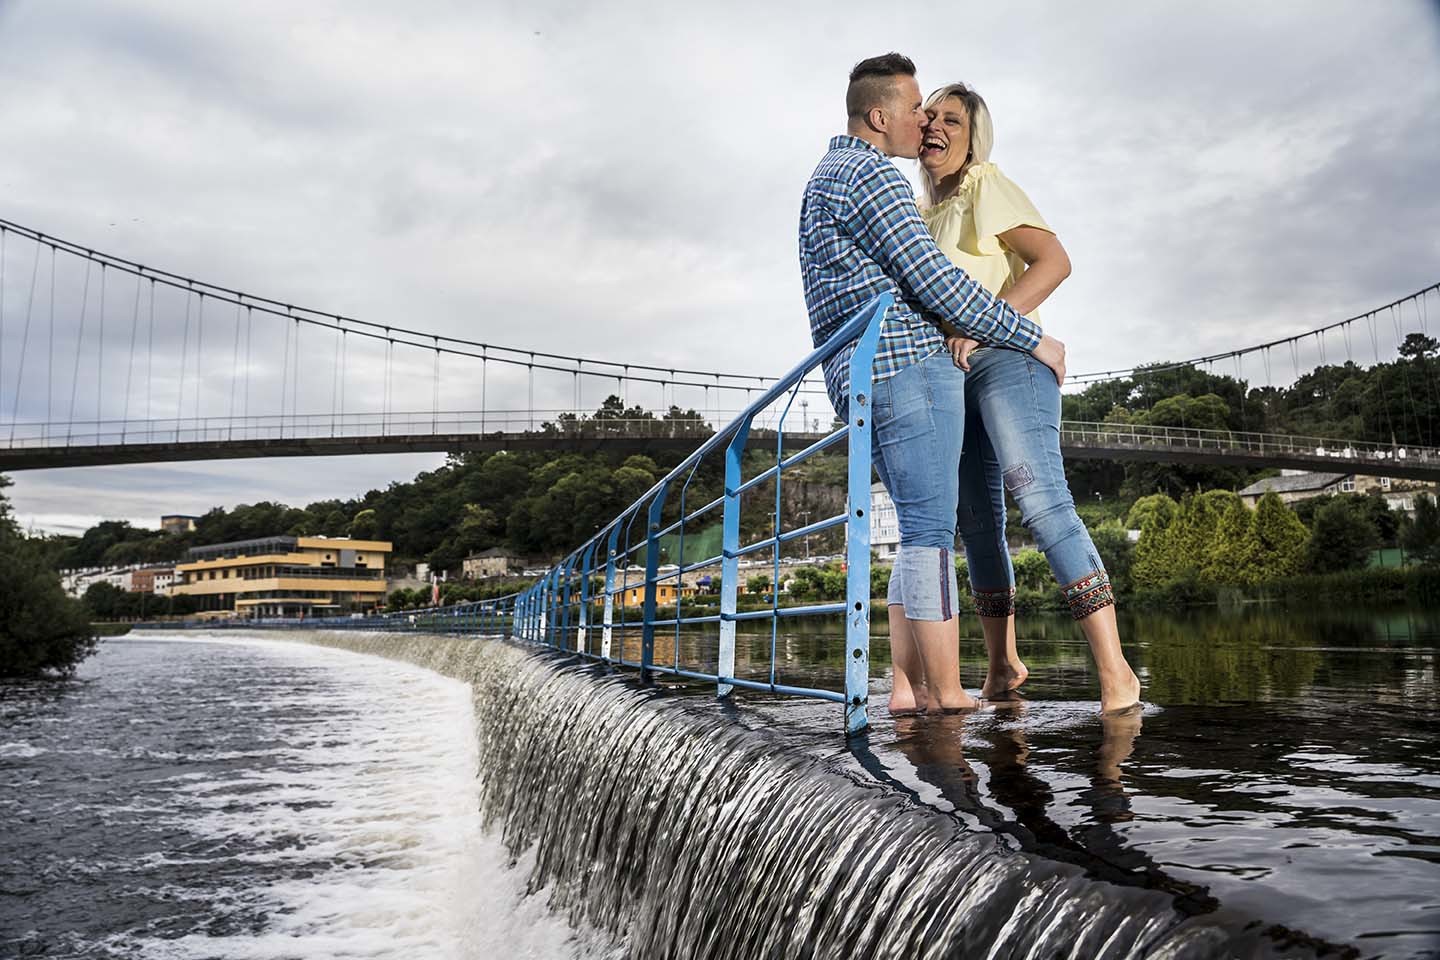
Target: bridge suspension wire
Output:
[(150, 351), (24, 344), (376, 330), (1318, 333), (249, 330), (79, 343), (50, 353), (130, 361)]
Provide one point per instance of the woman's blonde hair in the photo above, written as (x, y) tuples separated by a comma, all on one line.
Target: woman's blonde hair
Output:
[(982, 131)]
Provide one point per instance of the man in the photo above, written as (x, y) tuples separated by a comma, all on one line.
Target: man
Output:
[(861, 235)]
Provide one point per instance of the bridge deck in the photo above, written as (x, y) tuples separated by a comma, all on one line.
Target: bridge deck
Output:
[(1078, 441)]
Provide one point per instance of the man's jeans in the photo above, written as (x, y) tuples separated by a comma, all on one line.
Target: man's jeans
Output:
[(919, 429), (1012, 434)]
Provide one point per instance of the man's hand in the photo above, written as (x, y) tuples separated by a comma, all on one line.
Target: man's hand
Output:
[(960, 349), (1051, 352)]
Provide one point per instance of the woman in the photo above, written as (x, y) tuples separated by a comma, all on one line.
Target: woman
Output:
[(987, 225)]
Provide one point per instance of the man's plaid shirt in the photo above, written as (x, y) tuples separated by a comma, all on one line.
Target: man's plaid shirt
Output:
[(861, 235)]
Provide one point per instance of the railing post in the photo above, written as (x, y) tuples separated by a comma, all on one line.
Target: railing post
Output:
[(652, 568), (857, 526), (730, 558), (587, 563), (610, 549)]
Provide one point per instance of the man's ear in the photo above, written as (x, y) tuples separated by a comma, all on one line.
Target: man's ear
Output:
[(877, 119)]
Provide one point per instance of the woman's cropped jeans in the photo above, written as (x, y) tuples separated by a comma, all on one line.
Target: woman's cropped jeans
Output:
[(1012, 434), (918, 432)]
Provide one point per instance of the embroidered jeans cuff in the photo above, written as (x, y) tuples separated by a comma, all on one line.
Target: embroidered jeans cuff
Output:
[(994, 603), (1089, 594)]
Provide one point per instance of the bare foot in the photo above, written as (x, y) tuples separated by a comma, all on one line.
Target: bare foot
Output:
[(1120, 695), (908, 702), (1002, 679), (961, 704)]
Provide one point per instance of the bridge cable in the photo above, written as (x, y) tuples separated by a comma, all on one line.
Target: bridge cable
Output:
[(1424, 365), (50, 358), (79, 342), (1395, 321), (4, 235), (199, 361), (344, 365), (100, 356), (284, 379), (249, 330), (295, 379), (385, 405), (334, 383), (219, 292), (150, 352), (130, 362), (24, 345), (435, 397), (234, 375), (484, 376)]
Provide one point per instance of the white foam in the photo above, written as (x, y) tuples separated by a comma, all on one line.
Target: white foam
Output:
[(384, 792), (20, 750)]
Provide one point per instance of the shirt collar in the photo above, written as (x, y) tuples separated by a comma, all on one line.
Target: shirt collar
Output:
[(846, 142)]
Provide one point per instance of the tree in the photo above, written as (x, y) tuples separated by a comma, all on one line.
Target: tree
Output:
[(1342, 538), (1229, 556), (42, 631), (758, 585), (1422, 535), (1117, 552), (1280, 540)]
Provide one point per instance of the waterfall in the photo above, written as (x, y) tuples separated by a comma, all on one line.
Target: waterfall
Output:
[(681, 833)]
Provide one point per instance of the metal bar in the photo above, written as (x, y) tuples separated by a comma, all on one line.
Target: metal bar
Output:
[(788, 535), (609, 590), (652, 561), (857, 539), (587, 570), (815, 610), (730, 560)]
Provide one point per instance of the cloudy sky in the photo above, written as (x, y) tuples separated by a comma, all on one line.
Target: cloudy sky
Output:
[(621, 180)]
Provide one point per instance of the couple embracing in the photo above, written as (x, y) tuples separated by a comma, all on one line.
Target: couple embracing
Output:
[(966, 386)]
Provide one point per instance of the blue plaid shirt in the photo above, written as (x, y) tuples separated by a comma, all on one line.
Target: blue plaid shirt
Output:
[(861, 235)]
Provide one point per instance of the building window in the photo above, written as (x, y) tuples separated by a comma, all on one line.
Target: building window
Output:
[(1347, 485), (1384, 483)]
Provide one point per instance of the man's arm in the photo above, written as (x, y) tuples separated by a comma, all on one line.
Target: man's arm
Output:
[(886, 225)]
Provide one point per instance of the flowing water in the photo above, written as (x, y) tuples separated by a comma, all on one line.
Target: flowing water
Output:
[(1280, 797)]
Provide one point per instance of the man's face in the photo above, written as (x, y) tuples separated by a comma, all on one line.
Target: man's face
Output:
[(907, 119)]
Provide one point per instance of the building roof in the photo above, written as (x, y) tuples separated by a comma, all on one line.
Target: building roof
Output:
[(1297, 483), (492, 552)]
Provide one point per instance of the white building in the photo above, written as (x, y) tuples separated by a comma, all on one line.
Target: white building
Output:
[(884, 523)]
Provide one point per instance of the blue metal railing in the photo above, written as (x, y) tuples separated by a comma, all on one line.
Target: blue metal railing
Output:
[(558, 609)]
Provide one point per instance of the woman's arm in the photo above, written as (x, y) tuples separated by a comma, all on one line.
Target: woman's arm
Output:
[(1048, 265)]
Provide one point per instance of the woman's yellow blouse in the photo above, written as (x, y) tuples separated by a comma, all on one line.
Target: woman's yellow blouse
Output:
[(967, 227)]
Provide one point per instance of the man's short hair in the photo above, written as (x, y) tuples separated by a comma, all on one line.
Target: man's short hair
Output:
[(871, 82)]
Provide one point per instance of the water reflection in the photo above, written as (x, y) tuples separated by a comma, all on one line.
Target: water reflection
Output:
[(1011, 797)]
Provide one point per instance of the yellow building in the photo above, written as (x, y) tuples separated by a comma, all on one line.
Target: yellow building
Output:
[(665, 593), (284, 577)]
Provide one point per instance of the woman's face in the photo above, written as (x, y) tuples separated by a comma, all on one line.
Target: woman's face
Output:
[(947, 138)]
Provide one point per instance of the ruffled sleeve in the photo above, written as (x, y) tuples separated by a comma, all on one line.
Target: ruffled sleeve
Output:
[(998, 204)]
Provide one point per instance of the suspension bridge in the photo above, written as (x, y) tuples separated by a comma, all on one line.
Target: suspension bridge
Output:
[(97, 379)]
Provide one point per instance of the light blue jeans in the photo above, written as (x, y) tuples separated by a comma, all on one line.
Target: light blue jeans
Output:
[(1012, 442), (918, 432)]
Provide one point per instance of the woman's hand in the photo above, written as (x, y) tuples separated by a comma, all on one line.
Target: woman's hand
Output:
[(1051, 352), (960, 348)]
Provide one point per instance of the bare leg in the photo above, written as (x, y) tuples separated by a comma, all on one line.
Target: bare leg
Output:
[(1119, 687), (907, 693), (939, 644), (1005, 671)]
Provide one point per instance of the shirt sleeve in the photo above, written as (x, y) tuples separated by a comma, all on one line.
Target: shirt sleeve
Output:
[(887, 227), (1001, 205)]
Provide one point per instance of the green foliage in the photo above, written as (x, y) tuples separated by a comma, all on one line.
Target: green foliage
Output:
[(42, 631), (1117, 552), (1032, 570), (1422, 536), (1280, 540), (1342, 537), (759, 584), (1156, 509), (1214, 540)]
